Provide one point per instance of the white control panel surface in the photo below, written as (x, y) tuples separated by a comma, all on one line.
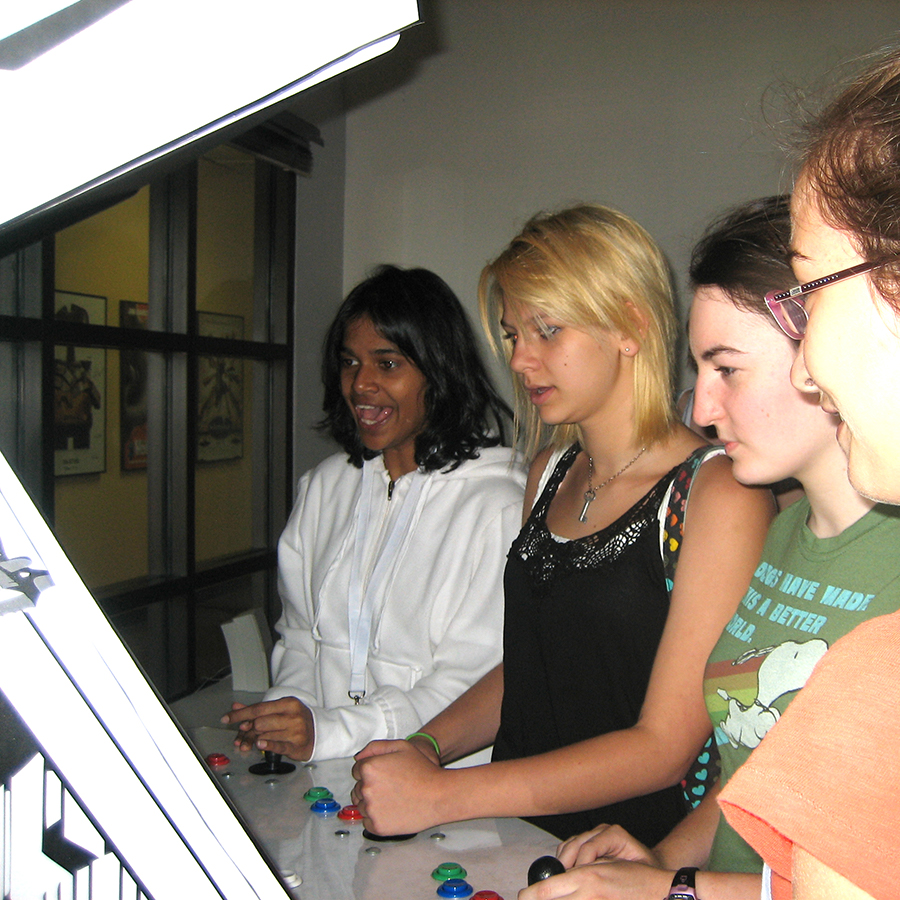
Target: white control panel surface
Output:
[(325, 857)]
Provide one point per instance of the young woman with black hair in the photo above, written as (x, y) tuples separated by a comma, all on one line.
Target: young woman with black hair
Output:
[(391, 564)]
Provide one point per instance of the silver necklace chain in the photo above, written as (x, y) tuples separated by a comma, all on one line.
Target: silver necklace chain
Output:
[(591, 493)]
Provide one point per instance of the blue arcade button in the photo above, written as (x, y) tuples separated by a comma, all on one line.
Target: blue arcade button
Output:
[(326, 807), (454, 887)]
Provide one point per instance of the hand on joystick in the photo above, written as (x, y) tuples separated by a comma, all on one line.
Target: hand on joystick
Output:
[(284, 726), (273, 765)]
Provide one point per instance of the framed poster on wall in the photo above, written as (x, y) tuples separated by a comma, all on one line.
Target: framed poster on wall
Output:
[(79, 394), (133, 391), (220, 392)]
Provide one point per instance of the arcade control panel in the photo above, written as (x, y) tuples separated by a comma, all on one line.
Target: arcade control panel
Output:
[(302, 815)]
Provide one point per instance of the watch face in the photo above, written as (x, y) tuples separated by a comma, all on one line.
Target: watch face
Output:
[(682, 894)]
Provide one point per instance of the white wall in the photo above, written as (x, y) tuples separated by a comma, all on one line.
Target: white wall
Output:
[(652, 106), (319, 266), (494, 109)]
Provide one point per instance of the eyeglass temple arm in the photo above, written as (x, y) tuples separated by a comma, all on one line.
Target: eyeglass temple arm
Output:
[(781, 296)]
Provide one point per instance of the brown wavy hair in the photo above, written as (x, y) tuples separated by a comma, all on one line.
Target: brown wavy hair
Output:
[(851, 160)]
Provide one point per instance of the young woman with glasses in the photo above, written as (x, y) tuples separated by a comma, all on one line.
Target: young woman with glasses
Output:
[(832, 829)]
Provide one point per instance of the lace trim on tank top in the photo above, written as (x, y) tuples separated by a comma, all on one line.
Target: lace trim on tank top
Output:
[(546, 558)]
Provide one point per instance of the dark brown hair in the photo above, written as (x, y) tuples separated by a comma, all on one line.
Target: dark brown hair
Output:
[(746, 253)]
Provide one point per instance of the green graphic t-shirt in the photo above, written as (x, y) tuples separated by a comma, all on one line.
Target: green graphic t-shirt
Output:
[(806, 593)]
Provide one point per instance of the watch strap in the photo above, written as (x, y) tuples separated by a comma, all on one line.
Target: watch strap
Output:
[(683, 884)]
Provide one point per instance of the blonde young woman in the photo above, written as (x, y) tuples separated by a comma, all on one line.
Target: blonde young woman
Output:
[(597, 710)]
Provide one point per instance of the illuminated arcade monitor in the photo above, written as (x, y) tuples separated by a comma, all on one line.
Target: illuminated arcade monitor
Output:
[(97, 93), (102, 796)]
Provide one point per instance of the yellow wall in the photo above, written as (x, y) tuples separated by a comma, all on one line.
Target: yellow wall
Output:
[(225, 286), (101, 519)]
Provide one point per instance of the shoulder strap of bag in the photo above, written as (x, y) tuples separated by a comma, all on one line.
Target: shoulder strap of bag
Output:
[(705, 769)]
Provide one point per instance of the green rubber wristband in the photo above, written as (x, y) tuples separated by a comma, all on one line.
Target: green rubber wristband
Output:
[(437, 748)]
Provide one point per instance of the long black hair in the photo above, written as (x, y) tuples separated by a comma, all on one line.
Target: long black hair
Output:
[(416, 310)]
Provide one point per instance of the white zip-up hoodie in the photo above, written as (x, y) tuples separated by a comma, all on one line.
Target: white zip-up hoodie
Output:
[(437, 606)]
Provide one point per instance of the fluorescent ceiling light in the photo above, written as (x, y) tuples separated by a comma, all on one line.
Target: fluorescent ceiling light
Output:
[(14, 16), (152, 76)]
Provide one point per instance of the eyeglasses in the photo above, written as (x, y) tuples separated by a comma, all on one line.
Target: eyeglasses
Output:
[(788, 306)]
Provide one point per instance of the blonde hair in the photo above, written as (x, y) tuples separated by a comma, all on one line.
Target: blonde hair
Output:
[(597, 270)]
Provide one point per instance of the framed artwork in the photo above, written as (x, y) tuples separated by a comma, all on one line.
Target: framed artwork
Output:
[(132, 391), (79, 416), (220, 392)]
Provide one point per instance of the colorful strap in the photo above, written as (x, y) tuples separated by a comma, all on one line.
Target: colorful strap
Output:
[(705, 769)]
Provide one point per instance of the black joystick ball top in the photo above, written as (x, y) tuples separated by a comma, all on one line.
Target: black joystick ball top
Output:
[(544, 867), (371, 836), (272, 765)]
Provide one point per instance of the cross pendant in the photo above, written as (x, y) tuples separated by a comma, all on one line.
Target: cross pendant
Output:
[(588, 500)]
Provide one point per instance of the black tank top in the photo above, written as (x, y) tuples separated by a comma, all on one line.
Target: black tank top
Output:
[(582, 624)]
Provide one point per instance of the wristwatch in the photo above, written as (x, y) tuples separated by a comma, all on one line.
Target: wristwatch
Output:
[(683, 885)]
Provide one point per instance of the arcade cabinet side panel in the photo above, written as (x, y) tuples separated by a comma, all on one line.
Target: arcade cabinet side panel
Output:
[(102, 797)]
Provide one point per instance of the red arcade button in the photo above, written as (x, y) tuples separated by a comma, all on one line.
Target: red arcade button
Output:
[(217, 759), (351, 813)]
